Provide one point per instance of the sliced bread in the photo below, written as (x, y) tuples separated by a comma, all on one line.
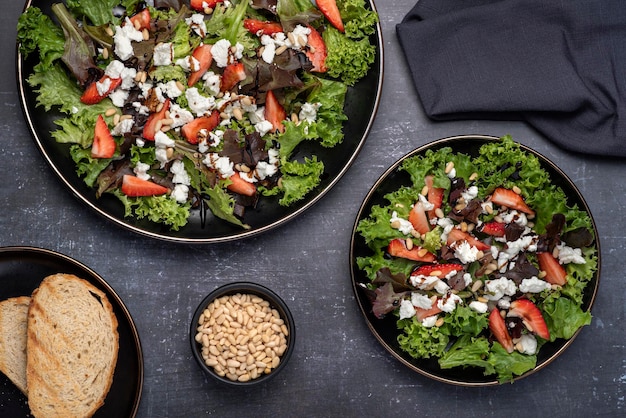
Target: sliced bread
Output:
[(13, 318), (72, 348)]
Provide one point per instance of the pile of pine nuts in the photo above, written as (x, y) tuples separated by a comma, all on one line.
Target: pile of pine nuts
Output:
[(241, 336)]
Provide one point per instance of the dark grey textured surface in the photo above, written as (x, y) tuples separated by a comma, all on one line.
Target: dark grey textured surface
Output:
[(338, 368)]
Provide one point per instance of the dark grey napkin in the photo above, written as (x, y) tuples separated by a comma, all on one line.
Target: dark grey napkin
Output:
[(558, 65)]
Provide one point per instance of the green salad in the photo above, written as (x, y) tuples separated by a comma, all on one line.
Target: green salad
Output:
[(172, 105), (481, 259)]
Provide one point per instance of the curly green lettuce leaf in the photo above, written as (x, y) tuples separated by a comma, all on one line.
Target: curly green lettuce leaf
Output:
[(468, 351), (330, 116), (420, 341), (100, 12), (159, 209), (299, 178), (348, 59), (465, 321), (86, 167), (36, 31), (564, 317), (358, 20), (227, 23), (507, 366)]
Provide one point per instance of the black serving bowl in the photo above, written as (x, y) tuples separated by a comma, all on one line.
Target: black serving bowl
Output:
[(275, 303)]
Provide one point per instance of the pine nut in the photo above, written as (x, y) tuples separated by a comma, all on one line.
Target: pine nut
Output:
[(449, 167)]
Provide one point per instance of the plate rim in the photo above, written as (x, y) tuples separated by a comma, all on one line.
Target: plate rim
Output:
[(21, 250), (358, 292), (243, 234)]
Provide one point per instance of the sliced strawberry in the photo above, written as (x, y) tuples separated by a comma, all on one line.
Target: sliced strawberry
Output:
[(259, 27), (191, 130), (241, 186), (493, 228), (91, 95), (134, 186), (150, 128), (103, 143), (418, 218), (510, 199), (555, 272), (330, 10), (421, 313), (438, 270), (435, 196), (456, 235), (531, 317), (397, 248), (232, 75), (274, 112), (141, 20), (317, 52), (203, 54), (202, 5), (499, 331)]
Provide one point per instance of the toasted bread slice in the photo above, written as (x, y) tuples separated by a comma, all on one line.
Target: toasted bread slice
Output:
[(72, 348), (13, 318)]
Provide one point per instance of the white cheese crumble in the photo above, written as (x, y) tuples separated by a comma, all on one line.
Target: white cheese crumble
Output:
[(222, 164), (528, 344), (421, 301), (179, 115), (199, 104), (180, 193), (448, 302), (465, 252), (122, 39), (479, 307), (123, 127), (141, 170), (180, 174), (103, 86), (196, 23), (533, 285), (570, 255), (430, 321), (163, 54), (407, 310), (404, 225), (498, 288)]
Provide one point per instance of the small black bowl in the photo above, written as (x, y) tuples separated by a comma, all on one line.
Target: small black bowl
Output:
[(275, 303)]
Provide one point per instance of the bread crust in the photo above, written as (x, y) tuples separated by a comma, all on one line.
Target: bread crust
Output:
[(13, 319), (72, 347)]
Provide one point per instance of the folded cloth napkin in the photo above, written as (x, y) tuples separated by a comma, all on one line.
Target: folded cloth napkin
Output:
[(558, 65)]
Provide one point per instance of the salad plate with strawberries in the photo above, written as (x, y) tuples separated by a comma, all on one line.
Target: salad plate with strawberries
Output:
[(475, 260), (199, 121)]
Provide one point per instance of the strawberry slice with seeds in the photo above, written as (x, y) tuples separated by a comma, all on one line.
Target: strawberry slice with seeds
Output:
[(203, 54), (232, 75), (259, 27), (397, 248), (555, 272), (493, 228), (274, 112), (103, 143), (330, 10), (437, 270), (435, 196), (133, 186), (531, 317), (141, 20), (152, 124), (418, 218), (193, 131), (317, 53), (510, 199), (202, 5), (240, 186), (456, 235), (91, 95), (499, 331)]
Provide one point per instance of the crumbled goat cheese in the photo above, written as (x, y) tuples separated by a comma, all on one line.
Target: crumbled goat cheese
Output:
[(479, 307), (430, 321), (180, 193), (419, 300), (404, 225), (212, 83), (528, 344), (533, 285), (448, 302), (470, 193), (407, 310), (163, 54), (123, 127), (264, 170), (141, 170), (179, 115), (263, 127), (180, 174), (569, 255), (196, 23), (199, 104), (119, 97), (222, 164), (465, 252), (498, 288), (103, 86), (122, 39), (423, 282), (188, 63)]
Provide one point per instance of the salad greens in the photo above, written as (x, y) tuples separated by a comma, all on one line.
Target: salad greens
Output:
[(496, 265), (105, 59)]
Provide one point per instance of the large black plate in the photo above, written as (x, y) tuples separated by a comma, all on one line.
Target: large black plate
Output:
[(385, 330), (361, 106), (21, 271)]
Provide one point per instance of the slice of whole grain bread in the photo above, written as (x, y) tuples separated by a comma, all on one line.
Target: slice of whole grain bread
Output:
[(72, 348), (13, 319)]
